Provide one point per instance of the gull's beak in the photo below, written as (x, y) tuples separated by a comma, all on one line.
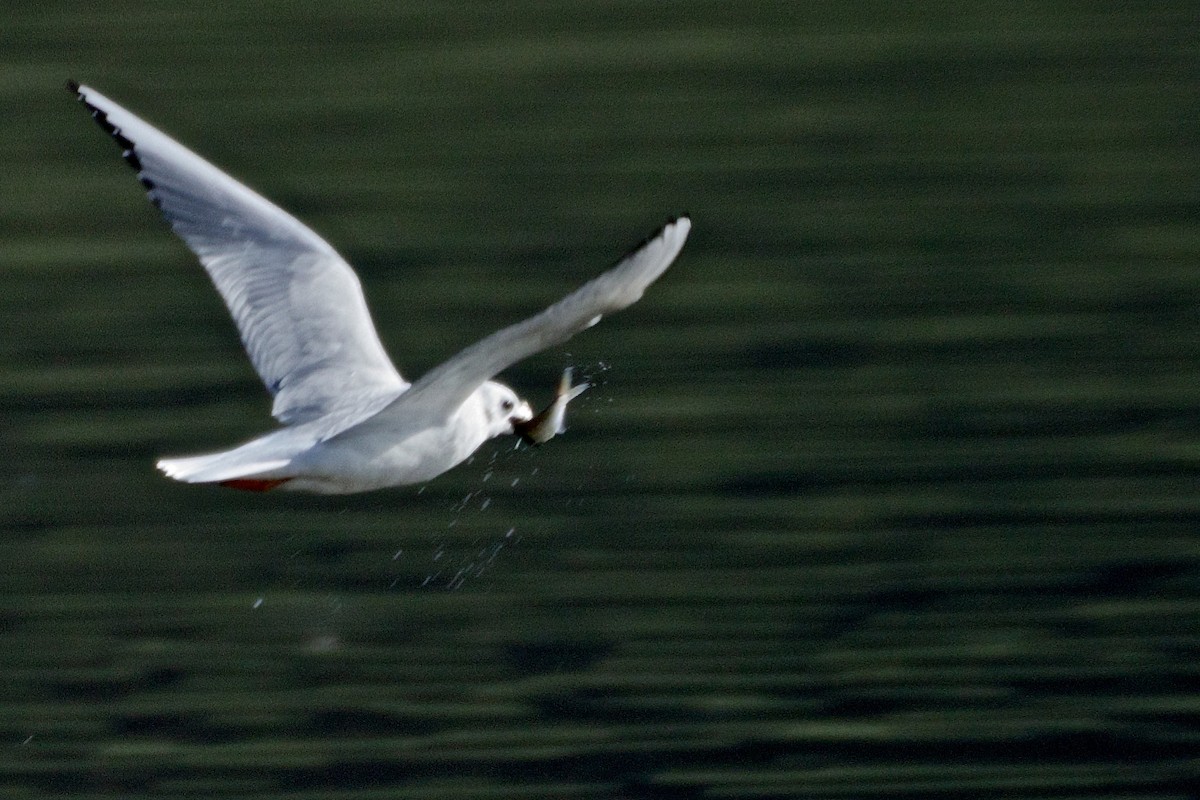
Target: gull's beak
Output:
[(521, 414)]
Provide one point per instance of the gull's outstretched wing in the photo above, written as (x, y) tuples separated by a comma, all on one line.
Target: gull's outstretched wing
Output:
[(444, 388), (297, 304)]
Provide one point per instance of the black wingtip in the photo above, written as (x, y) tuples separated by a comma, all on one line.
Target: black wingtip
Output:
[(657, 232), (72, 86), (129, 151), (670, 221), (662, 229)]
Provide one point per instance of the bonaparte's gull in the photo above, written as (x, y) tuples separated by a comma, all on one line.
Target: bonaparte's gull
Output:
[(351, 423)]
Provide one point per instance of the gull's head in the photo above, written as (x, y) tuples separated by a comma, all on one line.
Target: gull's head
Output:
[(503, 408)]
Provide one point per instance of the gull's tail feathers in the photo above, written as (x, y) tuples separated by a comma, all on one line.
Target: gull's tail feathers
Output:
[(220, 468), (258, 465), (215, 467)]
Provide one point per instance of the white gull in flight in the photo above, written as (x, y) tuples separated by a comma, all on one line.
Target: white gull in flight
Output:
[(350, 422)]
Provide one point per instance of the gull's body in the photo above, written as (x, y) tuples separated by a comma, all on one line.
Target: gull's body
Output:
[(351, 422), (311, 457)]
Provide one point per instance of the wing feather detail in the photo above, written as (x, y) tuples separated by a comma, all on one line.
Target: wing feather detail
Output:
[(444, 388), (297, 304)]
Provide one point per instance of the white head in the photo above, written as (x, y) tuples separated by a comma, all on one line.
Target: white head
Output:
[(502, 408)]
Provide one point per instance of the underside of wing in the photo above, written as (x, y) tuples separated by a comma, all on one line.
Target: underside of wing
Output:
[(298, 305), (444, 388)]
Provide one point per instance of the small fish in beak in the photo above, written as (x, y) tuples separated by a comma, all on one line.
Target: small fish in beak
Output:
[(551, 421)]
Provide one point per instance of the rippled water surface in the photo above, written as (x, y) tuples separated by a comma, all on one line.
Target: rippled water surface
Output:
[(888, 489)]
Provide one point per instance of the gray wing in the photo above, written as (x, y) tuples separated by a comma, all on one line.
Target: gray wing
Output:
[(297, 304), (444, 388)]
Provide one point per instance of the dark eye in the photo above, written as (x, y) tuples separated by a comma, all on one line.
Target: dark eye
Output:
[(507, 405)]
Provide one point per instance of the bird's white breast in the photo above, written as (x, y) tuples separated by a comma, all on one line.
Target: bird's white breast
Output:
[(374, 460)]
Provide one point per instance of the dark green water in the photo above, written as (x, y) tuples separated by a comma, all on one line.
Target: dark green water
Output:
[(888, 490)]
